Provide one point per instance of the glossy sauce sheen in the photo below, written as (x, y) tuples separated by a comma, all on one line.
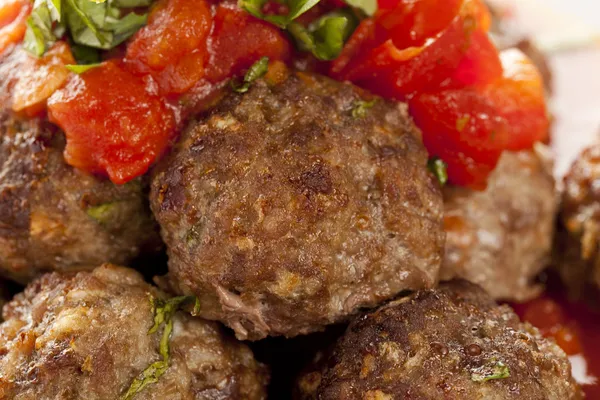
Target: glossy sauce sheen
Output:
[(575, 327)]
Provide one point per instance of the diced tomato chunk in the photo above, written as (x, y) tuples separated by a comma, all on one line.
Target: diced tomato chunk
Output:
[(469, 128), (13, 21), (113, 123), (401, 53), (239, 40), (40, 78), (172, 47)]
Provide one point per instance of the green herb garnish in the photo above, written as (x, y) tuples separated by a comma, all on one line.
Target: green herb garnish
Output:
[(256, 71), (495, 370), (163, 311), (438, 167), (97, 24), (325, 37), (296, 9), (361, 107), (369, 7), (80, 69)]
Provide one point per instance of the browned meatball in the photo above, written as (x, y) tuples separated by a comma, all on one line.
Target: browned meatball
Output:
[(451, 343), (501, 238), (54, 217), (578, 239), (284, 212), (86, 336)]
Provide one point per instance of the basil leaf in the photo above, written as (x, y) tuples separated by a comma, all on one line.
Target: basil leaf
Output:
[(299, 7), (256, 71), (125, 27), (55, 7), (253, 7), (85, 54), (326, 37), (132, 3), (38, 35), (494, 370), (369, 7), (438, 167), (80, 69)]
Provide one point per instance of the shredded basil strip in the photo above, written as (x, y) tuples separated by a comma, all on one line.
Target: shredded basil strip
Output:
[(256, 71), (80, 69), (361, 107), (163, 311), (438, 167), (94, 23), (325, 37), (296, 9)]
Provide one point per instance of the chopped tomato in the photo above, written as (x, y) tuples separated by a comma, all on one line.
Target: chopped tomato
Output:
[(40, 78), (13, 21), (114, 124), (469, 128), (399, 52), (239, 40), (172, 47)]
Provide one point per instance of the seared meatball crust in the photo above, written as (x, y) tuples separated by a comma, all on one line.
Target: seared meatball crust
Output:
[(54, 217), (501, 238), (578, 239), (85, 336), (284, 212), (451, 343)]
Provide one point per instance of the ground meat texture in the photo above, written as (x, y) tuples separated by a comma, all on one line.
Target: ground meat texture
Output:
[(578, 238), (501, 238), (284, 212), (54, 217), (85, 336), (450, 343)]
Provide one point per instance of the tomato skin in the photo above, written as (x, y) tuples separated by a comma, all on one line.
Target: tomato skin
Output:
[(239, 40), (40, 78), (13, 21), (172, 46), (480, 65), (470, 127), (114, 124)]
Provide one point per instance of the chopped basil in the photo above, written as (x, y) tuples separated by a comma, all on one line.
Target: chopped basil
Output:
[(163, 311), (361, 107), (85, 54), (296, 9), (80, 69), (94, 23), (438, 167), (325, 37), (494, 370), (256, 71), (369, 7)]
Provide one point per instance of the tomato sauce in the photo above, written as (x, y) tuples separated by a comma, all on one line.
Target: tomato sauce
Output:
[(575, 326)]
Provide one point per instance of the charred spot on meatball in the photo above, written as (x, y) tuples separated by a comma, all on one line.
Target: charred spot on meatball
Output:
[(284, 212), (501, 238), (453, 342), (578, 238), (104, 334)]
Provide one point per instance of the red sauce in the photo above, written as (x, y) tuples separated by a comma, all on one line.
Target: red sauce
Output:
[(576, 329)]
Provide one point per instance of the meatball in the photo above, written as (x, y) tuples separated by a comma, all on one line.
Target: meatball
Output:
[(453, 342), (52, 216), (501, 238), (578, 238), (292, 206), (86, 336)]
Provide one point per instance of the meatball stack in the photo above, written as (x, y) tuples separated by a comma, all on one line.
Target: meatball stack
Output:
[(291, 207)]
